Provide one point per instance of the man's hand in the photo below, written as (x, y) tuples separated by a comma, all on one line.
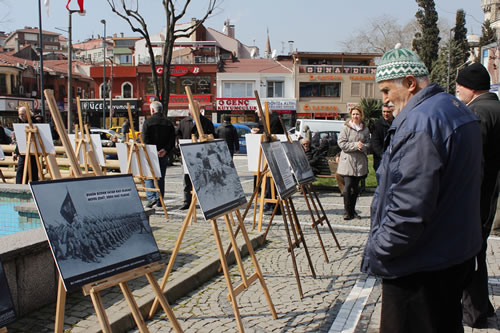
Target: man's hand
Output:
[(162, 153)]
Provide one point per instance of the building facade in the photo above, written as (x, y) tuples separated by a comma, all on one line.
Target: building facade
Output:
[(329, 84)]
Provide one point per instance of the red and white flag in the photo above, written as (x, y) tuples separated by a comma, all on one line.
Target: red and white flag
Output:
[(80, 3), (46, 4)]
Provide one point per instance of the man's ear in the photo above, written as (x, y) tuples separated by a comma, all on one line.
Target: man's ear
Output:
[(410, 83)]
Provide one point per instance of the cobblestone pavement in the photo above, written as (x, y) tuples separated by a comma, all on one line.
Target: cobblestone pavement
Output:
[(339, 299)]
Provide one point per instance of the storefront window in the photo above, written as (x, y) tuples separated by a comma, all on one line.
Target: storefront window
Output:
[(238, 89), (355, 89), (3, 84), (198, 84), (369, 90), (308, 89)]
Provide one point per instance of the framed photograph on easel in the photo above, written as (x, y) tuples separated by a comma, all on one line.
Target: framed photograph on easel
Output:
[(280, 170), (298, 161), (89, 237)]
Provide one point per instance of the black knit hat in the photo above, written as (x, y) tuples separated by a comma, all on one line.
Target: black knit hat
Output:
[(474, 77)]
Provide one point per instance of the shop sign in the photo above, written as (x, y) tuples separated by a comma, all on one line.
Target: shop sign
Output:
[(338, 69), (95, 105), (304, 115), (309, 107), (283, 111), (275, 105), (362, 78), (325, 77), (240, 104), (326, 114), (11, 104), (237, 112), (184, 100), (179, 70)]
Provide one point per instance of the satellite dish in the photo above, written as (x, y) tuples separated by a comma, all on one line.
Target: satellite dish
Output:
[(273, 55)]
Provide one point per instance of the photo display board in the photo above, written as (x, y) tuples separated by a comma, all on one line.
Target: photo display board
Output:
[(122, 152), (96, 227), (298, 161), (7, 310), (280, 170), (45, 134), (214, 177)]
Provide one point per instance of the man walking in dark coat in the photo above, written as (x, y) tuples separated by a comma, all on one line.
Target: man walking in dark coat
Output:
[(473, 83), (379, 130), (158, 130), (187, 127), (228, 132)]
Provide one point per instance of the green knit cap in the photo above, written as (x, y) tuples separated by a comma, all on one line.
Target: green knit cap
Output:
[(398, 63)]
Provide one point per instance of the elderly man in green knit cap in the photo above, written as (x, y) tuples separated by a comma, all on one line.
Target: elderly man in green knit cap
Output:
[(425, 226)]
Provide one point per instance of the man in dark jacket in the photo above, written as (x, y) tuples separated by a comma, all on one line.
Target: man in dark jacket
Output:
[(425, 226), (228, 132), (473, 83), (187, 127), (379, 130), (158, 130)]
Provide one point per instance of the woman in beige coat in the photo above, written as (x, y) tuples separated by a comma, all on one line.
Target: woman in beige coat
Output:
[(354, 140)]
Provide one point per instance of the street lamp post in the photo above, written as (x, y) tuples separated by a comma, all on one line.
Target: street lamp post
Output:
[(70, 68), (111, 93), (103, 91)]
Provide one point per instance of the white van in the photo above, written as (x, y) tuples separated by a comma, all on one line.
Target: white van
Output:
[(318, 125)]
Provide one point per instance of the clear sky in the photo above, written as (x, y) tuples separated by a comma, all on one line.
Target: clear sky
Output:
[(313, 25)]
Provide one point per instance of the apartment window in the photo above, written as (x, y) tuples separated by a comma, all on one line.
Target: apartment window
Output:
[(238, 89), (62, 91), (275, 88), (369, 90), (125, 59), (313, 89), (32, 37), (355, 89), (127, 90)]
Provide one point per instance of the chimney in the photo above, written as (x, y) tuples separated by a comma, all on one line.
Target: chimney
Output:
[(230, 30), (121, 34)]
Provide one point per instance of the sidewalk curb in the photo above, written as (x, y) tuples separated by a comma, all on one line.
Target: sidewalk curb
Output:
[(122, 321)]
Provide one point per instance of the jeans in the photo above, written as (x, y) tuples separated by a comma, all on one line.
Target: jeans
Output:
[(161, 182)]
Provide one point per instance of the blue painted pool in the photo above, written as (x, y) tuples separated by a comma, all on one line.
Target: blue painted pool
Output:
[(12, 221)]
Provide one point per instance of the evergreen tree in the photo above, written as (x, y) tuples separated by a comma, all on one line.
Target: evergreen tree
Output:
[(427, 43), (460, 37), (488, 34), (447, 65)]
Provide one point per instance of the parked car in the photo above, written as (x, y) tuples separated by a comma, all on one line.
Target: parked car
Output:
[(249, 124), (106, 135), (242, 130), (118, 130), (331, 136)]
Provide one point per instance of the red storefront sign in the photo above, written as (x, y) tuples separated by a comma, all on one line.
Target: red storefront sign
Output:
[(304, 115), (326, 114), (236, 104), (179, 70), (184, 100)]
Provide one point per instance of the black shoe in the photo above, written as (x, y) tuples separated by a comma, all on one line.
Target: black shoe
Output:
[(356, 216), (151, 203), (348, 217), (158, 204), (185, 206)]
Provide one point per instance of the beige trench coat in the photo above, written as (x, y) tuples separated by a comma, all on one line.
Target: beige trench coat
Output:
[(353, 162)]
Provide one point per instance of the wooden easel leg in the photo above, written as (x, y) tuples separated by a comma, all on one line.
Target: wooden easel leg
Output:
[(261, 206), (164, 304), (324, 214), (175, 251), (61, 303), (237, 253), (161, 197), (270, 223), (290, 246), (301, 234), (256, 264), (315, 221), (100, 311), (227, 276), (127, 293), (3, 329)]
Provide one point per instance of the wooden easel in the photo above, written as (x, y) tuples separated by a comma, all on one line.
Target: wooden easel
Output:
[(134, 147), (32, 138), (93, 289), (313, 203), (3, 329), (228, 218), (83, 142)]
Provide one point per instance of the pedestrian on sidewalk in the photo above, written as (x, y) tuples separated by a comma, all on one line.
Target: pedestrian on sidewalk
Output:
[(228, 132), (473, 84), (354, 140), (158, 130), (425, 226)]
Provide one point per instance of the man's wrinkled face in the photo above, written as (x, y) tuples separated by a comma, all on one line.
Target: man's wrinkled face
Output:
[(395, 92), (464, 94), (22, 114)]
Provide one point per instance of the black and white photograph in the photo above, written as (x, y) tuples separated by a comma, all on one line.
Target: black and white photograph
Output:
[(96, 227), (7, 310), (280, 170), (298, 161), (214, 177)]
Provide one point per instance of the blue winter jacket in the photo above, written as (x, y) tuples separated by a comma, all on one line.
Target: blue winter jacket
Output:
[(425, 211)]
